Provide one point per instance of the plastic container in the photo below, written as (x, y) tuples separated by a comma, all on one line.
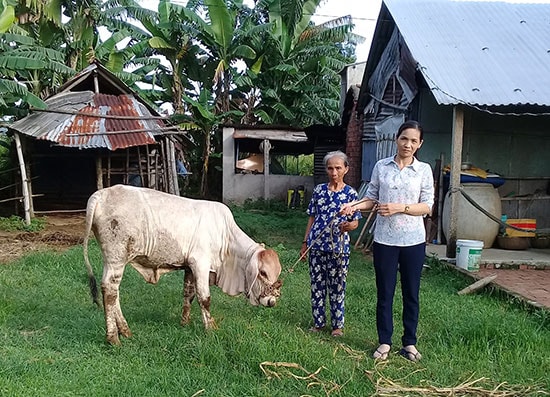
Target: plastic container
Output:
[(529, 225), (472, 224), (468, 254)]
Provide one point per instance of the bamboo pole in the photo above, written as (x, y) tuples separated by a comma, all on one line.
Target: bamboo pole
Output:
[(363, 230), (99, 172), (477, 285), (24, 185), (109, 169), (140, 167)]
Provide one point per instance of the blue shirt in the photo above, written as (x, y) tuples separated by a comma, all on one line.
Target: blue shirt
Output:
[(324, 206), (413, 184)]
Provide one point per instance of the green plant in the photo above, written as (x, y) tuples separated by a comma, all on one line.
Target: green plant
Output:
[(14, 223)]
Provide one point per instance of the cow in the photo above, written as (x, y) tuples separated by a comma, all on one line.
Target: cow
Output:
[(157, 233)]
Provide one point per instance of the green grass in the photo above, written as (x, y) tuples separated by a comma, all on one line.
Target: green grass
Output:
[(52, 338), (14, 223)]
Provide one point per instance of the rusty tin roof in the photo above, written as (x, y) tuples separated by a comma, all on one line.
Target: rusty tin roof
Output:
[(88, 120)]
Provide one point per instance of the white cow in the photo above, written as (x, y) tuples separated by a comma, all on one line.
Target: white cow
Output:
[(158, 232)]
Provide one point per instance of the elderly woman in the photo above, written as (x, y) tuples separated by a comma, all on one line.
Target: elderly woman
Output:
[(403, 187), (327, 239)]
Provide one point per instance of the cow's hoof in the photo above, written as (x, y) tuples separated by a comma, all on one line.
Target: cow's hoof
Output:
[(211, 325), (113, 340), (125, 332)]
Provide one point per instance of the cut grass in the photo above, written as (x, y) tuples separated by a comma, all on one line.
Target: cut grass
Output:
[(52, 338)]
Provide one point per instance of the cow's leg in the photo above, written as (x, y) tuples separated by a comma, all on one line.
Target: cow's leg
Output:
[(114, 320), (203, 294), (188, 296)]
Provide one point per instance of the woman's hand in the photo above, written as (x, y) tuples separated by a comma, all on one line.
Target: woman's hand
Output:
[(348, 226), (389, 209), (348, 209), (303, 251)]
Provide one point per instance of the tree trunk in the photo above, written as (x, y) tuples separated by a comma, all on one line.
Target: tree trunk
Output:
[(206, 157), (178, 94)]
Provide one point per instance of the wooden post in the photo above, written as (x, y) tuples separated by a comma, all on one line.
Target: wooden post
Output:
[(140, 167), (26, 196), (148, 166), (29, 186), (173, 167), (99, 172), (109, 169), (126, 177), (456, 160), (440, 199), (267, 147), (164, 184), (477, 285)]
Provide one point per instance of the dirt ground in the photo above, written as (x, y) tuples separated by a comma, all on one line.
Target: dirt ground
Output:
[(61, 231)]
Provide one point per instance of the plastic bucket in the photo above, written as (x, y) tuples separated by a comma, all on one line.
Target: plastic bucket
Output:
[(468, 254)]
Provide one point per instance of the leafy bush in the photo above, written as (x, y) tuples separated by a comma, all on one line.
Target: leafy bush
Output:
[(14, 223)]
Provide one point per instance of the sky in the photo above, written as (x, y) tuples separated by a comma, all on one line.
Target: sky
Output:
[(364, 14)]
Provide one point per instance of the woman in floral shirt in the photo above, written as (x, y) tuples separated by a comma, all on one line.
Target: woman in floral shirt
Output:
[(328, 242), (404, 189)]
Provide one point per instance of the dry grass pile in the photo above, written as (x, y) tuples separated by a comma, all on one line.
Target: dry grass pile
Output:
[(281, 369), (480, 387)]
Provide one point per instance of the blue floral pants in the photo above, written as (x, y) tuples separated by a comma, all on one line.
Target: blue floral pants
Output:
[(328, 272)]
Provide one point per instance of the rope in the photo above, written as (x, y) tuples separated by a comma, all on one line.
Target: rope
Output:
[(488, 214), (326, 227)]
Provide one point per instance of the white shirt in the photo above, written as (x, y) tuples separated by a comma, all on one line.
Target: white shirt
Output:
[(413, 184)]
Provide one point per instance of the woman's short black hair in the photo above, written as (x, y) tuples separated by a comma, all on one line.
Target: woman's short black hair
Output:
[(415, 125)]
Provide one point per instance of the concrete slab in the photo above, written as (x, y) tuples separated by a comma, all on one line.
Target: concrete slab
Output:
[(499, 258)]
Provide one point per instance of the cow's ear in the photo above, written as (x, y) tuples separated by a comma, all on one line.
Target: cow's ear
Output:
[(263, 245)]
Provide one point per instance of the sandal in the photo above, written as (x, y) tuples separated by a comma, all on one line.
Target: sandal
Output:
[(316, 329), (409, 355), (337, 332), (381, 354)]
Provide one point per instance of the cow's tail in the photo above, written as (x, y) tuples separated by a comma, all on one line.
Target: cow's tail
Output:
[(90, 210)]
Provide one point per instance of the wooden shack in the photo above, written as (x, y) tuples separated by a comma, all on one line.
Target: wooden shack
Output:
[(96, 132)]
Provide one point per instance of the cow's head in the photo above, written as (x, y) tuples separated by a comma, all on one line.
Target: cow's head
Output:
[(262, 278)]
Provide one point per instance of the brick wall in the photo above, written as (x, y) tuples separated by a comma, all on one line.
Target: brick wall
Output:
[(354, 148)]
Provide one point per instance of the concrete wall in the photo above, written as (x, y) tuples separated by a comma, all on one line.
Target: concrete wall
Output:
[(514, 147), (511, 146), (239, 187)]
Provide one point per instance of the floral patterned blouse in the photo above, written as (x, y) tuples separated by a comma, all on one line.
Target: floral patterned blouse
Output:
[(324, 206), (413, 184)]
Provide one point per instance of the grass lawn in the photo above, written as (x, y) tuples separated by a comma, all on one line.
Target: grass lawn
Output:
[(52, 338)]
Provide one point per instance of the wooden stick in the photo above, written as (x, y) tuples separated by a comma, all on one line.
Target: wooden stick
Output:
[(364, 229), (477, 285)]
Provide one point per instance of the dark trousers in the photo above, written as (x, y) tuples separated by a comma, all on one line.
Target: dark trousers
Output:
[(388, 260)]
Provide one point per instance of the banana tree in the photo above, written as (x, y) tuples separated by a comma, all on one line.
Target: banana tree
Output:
[(216, 25), (162, 35), (29, 71), (299, 79), (7, 14), (204, 119)]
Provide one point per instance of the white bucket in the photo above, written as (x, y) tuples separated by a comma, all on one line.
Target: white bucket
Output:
[(468, 254)]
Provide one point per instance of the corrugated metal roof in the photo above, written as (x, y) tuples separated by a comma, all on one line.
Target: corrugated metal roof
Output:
[(273, 134), (484, 53), (69, 121)]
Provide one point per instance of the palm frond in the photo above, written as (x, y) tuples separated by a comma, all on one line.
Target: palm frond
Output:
[(22, 39), (20, 63), (13, 87)]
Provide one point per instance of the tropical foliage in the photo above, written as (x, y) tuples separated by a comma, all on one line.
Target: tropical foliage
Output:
[(211, 61)]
